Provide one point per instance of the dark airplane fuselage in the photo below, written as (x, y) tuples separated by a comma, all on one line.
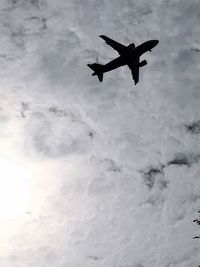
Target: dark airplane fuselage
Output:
[(130, 55)]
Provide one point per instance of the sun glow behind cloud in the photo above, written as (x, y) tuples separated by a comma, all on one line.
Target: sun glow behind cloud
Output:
[(27, 189), (25, 185), (14, 195)]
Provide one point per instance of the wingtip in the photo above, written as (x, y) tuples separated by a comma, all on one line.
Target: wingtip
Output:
[(102, 36)]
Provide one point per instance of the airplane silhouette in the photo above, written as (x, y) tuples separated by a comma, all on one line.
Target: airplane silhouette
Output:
[(128, 55)]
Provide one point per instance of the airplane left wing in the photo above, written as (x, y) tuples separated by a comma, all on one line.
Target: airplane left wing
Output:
[(135, 74), (120, 48), (134, 70)]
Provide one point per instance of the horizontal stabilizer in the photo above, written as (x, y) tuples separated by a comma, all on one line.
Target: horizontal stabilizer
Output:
[(98, 70), (100, 77)]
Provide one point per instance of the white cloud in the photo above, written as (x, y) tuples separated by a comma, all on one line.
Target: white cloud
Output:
[(114, 168)]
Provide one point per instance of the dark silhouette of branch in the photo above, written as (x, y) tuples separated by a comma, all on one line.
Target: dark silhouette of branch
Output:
[(197, 221)]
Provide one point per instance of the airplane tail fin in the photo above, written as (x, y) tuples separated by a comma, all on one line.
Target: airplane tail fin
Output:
[(98, 70)]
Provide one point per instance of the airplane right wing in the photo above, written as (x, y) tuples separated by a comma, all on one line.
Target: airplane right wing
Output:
[(120, 48)]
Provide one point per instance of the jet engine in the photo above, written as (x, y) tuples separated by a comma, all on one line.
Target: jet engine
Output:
[(142, 63), (131, 46)]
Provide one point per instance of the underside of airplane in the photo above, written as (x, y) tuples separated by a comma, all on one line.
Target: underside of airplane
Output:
[(128, 55)]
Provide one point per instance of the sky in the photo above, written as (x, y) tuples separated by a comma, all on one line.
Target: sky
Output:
[(98, 174)]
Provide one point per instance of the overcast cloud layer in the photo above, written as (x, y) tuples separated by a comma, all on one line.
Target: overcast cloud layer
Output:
[(112, 169)]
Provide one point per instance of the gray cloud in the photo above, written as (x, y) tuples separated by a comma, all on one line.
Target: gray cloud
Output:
[(57, 134), (194, 127)]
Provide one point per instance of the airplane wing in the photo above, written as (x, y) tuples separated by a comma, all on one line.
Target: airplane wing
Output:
[(120, 48), (135, 74), (134, 70)]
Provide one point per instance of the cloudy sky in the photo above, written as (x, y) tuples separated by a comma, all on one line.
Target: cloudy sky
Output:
[(98, 174)]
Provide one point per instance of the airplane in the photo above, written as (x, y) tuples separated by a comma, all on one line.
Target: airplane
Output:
[(128, 55)]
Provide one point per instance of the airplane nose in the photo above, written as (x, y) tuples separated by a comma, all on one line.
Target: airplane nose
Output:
[(153, 43), (156, 42)]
